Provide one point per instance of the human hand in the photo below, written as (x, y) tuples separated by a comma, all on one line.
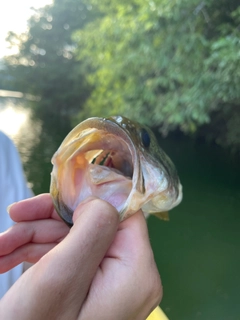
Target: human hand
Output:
[(100, 269)]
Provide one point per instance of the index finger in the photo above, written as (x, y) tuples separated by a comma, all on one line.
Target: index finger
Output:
[(36, 208)]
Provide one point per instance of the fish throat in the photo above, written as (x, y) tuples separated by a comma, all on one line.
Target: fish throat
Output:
[(115, 161), (101, 165)]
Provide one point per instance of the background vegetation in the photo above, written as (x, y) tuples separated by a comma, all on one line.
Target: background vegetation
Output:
[(174, 65)]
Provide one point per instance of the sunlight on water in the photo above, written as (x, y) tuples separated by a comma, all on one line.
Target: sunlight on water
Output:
[(17, 123), (12, 120)]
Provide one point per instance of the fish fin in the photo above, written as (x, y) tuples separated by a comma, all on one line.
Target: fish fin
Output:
[(162, 215)]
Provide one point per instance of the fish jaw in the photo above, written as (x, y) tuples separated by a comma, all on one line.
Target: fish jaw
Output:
[(74, 177), (104, 158), (159, 193)]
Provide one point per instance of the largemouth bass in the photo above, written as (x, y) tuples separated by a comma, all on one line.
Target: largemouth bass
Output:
[(117, 160)]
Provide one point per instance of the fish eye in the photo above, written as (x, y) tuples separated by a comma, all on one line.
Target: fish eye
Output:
[(145, 138)]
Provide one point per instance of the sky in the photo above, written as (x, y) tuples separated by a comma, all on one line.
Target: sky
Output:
[(13, 17)]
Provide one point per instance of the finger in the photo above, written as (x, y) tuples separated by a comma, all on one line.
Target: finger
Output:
[(130, 260), (132, 234), (39, 207), (23, 233), (63, 276), (29, 253)]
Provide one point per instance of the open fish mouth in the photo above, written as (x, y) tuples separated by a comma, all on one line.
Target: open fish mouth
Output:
[(111, 152), (94, 163), (116, 160), (110, 159)]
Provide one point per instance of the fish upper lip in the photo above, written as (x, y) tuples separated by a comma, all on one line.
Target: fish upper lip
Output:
[(110, 127), (119, 147)]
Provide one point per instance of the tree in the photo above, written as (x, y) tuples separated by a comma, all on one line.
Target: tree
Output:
[(170, 64), (45, 65)]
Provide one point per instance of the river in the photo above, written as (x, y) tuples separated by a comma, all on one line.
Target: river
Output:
[(198, 250)]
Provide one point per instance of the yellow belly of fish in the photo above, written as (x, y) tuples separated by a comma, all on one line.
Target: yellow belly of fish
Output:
[(157, 314)]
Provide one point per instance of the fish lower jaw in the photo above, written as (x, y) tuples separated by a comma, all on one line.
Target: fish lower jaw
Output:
[(97, 181)]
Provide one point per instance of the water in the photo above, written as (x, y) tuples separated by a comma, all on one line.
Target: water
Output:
[(198, 251)]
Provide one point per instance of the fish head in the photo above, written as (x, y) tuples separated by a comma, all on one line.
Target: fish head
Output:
[(117, 160), (155, 183)]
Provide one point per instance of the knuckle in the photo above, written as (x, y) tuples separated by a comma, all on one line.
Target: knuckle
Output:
[(155, 288)]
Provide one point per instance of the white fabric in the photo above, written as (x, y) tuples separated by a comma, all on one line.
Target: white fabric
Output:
[(13, 187)]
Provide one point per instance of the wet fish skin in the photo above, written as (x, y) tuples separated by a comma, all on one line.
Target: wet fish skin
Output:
[(155, 183), (152, 151)]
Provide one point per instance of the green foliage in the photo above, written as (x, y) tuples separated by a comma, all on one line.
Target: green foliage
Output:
[(170, 64), (45, 65)]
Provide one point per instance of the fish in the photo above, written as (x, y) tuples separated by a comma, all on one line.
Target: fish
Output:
[(117, 160)]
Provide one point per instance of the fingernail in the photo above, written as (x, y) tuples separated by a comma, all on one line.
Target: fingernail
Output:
[(9, 207)]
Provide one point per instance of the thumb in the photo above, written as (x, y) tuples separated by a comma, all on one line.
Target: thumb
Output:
[(61, 279)]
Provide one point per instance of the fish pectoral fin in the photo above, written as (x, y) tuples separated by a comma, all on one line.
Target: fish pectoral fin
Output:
[(162, 215)]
